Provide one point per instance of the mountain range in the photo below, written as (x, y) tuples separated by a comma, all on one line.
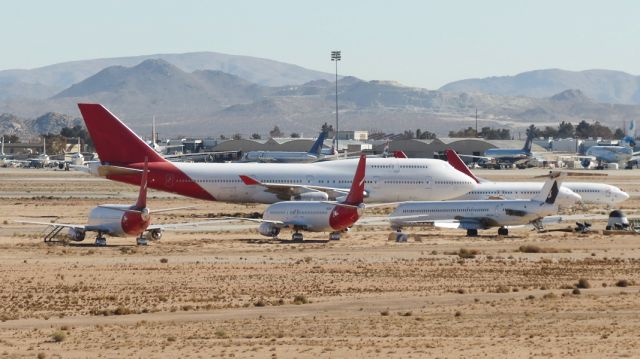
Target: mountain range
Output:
[(254, 95), (601, 85)]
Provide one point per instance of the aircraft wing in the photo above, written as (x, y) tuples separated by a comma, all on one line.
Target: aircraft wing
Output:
[(81, 227), (178, 225), (467, 223), (480, 157), (285, 191), (197, 154)]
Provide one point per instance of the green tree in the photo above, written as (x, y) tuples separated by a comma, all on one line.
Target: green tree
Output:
[(566, 130), (275, 132), (294, 135), (237, 136), (256, 136)]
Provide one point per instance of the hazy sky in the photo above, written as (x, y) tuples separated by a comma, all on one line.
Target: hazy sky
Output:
[(419, 43)]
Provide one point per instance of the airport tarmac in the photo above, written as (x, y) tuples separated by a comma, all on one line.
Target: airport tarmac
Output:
[(226, 291)]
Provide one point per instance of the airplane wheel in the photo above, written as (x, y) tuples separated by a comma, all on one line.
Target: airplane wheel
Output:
[(502, 231), (101, 241), (472, 232), (297, 237), (334, 236), (402, 237), (141, 241)]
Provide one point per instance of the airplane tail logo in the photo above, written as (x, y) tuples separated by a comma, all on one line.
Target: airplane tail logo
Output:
[(528, 143), (553, 194)]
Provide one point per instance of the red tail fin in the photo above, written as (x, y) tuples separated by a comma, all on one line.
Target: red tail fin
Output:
[(399, 154), (455, 161), (114, 141), (142, 196), (356, 193)]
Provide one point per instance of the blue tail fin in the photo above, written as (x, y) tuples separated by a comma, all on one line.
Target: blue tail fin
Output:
[(527, 143), (317, 146)]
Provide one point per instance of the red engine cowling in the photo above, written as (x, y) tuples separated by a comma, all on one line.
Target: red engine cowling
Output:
[(76, 235), (268, 229)]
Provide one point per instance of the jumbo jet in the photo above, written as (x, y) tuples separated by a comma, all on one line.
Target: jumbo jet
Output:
[(122, 154), (118, 220), (316, 216), (287, 157), (480, 214), (570, 192)]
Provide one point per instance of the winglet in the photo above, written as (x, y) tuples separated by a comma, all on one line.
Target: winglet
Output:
[(399, 154), (455, 161), (142, 196), (356, 193), (249, 181)]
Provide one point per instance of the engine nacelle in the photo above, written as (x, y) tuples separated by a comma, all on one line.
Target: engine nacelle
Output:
[(154, 235), (311, 196), (76, 235), (268, 230)]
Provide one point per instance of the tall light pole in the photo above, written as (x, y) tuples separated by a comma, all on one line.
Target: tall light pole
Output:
[(336, 56)]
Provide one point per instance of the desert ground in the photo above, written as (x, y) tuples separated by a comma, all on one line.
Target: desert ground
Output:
[(225, 291)]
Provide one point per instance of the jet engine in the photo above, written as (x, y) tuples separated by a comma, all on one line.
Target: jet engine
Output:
[(268, 230), (154, 235), (311, 196), (76, 235), (585, 163)]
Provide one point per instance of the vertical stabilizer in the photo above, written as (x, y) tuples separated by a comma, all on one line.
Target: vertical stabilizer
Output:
[(317, 146), (528, 143), (142, 195), (356, 193)]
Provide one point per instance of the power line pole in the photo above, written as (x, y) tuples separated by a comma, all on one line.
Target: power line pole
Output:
[(336, 56)]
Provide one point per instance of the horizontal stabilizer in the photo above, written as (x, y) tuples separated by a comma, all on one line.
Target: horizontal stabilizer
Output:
[(108, 170)]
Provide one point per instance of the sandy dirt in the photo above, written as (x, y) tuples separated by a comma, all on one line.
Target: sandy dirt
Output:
[(226, 291)]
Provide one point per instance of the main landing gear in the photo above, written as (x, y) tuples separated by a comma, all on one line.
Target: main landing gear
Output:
[(334, 236), (101, 241), (472, 232), (503, 231), (297, 236), (141, 241), (398, 236)]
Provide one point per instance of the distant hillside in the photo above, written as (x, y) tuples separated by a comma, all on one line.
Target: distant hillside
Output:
[(601, 85), (30, 128), (210, 103), (45, 81)]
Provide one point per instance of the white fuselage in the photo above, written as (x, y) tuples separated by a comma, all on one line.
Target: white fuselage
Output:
[(489, 213), (312, 216), (279, 157), (108, 220), (588, 193), (387, 179)]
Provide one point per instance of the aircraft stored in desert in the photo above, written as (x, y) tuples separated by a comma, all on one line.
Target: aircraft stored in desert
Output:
[(480, 214), (505, 157), (570, 192), (316, 216), (285, 156), (122, 153), (117, 220), (620, 154)]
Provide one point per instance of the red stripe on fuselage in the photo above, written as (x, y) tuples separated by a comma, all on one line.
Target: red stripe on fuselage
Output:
[(165, 176)]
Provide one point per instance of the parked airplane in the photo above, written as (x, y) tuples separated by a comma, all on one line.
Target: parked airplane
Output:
[(315, 216), (620, 154), (118, 220), (388, 179), (42, 160), (480, 214), (5, 160), (570, 192), (287, 157), (501, 157)]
